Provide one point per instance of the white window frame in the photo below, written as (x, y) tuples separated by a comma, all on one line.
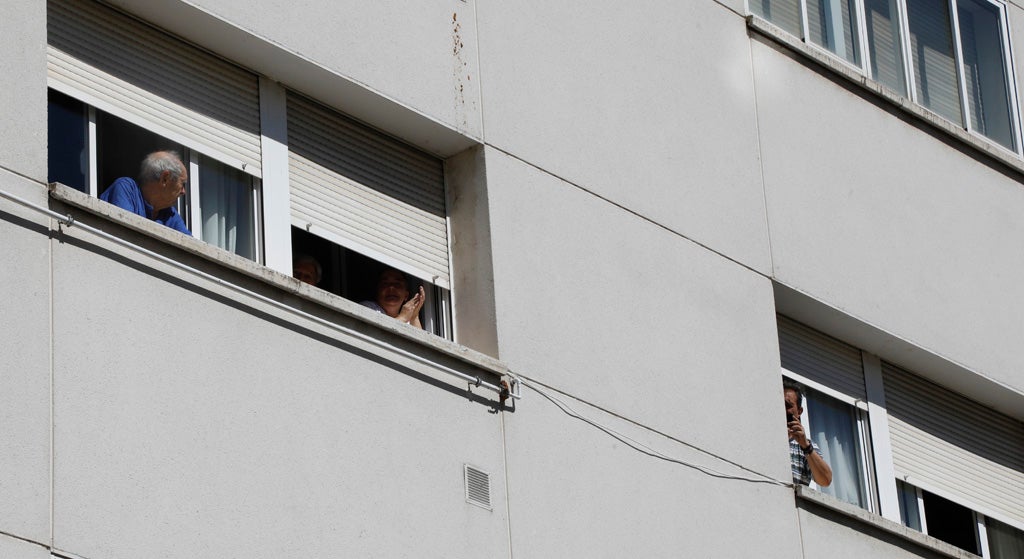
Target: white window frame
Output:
[(863, 432), (1006, 41), (189, 207)]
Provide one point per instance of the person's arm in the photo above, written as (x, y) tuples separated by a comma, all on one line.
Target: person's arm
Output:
[(410, 313), (820, 470)]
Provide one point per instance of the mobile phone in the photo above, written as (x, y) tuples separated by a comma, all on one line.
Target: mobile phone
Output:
[(790, 418)]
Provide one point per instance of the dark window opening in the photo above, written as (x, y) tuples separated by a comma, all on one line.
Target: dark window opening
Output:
[(952, 523), (68, 137), (354, 276)]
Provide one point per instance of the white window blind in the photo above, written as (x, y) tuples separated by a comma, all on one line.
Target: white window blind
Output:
[(153, 80), (820, 358), (954, 447), (366, 191)]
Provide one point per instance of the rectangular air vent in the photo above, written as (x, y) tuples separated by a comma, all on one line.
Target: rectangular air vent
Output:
[(478, 487)]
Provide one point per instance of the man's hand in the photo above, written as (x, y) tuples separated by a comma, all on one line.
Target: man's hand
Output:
[(796, 432)]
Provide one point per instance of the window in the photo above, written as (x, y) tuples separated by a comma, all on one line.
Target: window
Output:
[(951, 57), (376, 200), (835, 410), (358, 199), (121, 89), (913, 450), (958, 525), (353, 276), (839, 430), (91, 149)]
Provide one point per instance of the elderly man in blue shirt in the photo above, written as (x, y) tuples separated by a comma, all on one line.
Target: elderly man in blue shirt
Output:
[(162, 178)]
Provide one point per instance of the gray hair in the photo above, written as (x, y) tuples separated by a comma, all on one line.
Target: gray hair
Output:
[(307, 259), (795, 386), (154, 165)]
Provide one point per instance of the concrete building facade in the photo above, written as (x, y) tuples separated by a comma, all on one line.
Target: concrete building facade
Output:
[(650, 216)]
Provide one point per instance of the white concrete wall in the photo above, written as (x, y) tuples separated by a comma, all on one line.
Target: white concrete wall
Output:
[(421, 54), (193, 426), (650, 108), (888, 223), (25, 279), (23, 95), (25, 369), (649, 172), (627, 315)]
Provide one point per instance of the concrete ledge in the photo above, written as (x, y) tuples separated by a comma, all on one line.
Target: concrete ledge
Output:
[(871, 520), (904, 104), (274, 278)]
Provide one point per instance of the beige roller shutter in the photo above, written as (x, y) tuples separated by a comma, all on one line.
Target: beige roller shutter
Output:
[(955, 447), (366, 191), (145, 76), (817, 357)]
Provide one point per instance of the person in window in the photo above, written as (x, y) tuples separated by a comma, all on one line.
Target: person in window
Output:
[(393, 298), (306, 269), (804, 455), (162, 179)]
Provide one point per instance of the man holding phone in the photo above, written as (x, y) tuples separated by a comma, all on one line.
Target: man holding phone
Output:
[(804, 455)]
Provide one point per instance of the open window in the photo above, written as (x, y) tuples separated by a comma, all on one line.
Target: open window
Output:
[(362, 201), (120, 89), (835, 411), (90, 149)]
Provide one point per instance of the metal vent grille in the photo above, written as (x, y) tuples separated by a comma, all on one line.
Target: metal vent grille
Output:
[(478, 487)]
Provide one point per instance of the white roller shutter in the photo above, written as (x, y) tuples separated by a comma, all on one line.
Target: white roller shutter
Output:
[(147, 77), (366, 191), (817, 357), (955, 447)]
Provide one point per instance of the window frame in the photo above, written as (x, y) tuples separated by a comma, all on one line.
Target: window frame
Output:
[(907, 66), (884, 492), (190, 205), (862, 430)]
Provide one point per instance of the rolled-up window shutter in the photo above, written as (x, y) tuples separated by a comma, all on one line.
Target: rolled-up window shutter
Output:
[(955, 447), (817, 357), (149, 78), (373, 194)]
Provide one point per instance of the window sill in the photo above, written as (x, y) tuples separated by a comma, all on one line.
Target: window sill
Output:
[(877, 522), (904, 104), (485, 364)]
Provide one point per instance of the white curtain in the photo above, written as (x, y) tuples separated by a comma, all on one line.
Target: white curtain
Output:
[(226, 203), (833, 427)]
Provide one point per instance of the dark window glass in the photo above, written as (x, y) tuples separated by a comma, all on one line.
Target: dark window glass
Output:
[(951, 523), (67, 149)]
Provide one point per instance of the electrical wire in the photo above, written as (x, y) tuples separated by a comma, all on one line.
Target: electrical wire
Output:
[(640, 447)]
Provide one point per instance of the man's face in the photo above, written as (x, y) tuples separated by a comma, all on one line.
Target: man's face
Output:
[(305, 272), (171, 188), (791, 407), (392, 292)]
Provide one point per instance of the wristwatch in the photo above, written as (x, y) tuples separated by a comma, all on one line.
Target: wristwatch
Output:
[(807, 449)]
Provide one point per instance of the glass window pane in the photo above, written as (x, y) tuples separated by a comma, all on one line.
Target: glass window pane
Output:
[(784, 13), (909, 512), (1004, 541), (67, 151), (885, 46), (226, 205), (931, 42), (988, 98), (833, 427), (832, 24)]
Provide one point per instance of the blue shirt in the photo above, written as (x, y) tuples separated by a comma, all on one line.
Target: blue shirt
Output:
[(127, 195)]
